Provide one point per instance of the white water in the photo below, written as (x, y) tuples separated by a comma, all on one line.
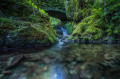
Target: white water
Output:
[(64, 31), (60, 40)]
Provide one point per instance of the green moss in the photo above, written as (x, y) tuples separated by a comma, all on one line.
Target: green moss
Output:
[(54, 21), (33, 18), (40, 35), (69, 27), (89, 28), (6, 23), (26, 23), (29, 25)]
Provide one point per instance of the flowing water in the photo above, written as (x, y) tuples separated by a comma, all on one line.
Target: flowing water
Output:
[(69, 61), (64, 31)]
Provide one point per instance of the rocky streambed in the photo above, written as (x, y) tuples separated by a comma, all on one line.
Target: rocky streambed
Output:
[(66, 61)]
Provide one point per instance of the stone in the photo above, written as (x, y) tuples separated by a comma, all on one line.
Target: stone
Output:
[(26, 56), (73, 71), (5, 57), (71, 65), (46, 60), (6, 72), (69, 59), (35, 58), (85, 75), (13, 61), (1, 75), (44, 68), (52, 56), (80, 59)]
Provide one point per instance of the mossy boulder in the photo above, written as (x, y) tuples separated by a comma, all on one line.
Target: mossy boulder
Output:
[(22, 34), (30, 36), (89, 28), (28, 27)]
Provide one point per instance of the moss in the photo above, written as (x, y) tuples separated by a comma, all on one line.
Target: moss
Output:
[(6, 23), (54, 21), (25, 28), (69, 27), (38, 35), (70, 37), (33, 18), (89, 28), (26, 23)]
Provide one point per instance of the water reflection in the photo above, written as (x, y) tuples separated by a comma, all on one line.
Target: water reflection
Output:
[(54, 72), (57, 72), (70, 61)]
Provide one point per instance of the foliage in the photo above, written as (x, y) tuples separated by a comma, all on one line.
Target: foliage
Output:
[(68, 26), (102, 20), (54, 21)]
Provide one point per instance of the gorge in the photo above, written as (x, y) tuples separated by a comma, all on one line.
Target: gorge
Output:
[(59, 39)]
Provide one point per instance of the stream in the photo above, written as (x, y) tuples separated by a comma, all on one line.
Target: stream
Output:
[(68, 61)]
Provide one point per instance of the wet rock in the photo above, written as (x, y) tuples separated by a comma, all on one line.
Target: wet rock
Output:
[(109, 64), (78, 67), (73, 71), (45, 68), (58, 60), (113, 70), (31, 57), (27, 56), (69, 59), (80, 59), (5, 57), (73, 74), (103, 65), (28, 63), (34, 68), (109, 56), (98, 75), (85, 75), (6, 72), (71, 65), (1, 75), (47, 60), (18, 75), (51, 56), (34, 58), (14, 61)]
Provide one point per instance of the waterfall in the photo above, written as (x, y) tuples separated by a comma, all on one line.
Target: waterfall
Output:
[(64, 36), (60, 42), (64, 31)]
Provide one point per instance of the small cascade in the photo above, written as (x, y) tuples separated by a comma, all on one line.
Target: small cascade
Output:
[(62, 39), (60, 42), (64, 31)]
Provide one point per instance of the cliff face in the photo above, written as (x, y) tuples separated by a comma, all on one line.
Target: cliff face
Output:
[(22, 24)]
